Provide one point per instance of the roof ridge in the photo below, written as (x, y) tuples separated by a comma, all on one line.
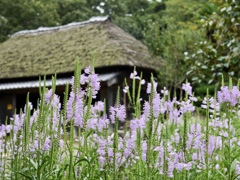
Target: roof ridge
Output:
[(67, 26)]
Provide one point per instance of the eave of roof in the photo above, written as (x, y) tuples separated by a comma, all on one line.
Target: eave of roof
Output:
[(110, 78)]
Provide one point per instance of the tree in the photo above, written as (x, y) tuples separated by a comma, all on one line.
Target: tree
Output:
[(16, 15), (170, 33), (74, 11), (219, 54), (127, 14)]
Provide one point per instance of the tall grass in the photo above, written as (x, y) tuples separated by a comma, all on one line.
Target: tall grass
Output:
[(164, 140)]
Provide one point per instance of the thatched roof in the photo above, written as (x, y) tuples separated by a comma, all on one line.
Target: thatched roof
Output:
[(50, 50)]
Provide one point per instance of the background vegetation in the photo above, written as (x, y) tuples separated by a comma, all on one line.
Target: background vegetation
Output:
[(195, 39)]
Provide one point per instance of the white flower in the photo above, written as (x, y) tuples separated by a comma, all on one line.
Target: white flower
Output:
[(126, 89)]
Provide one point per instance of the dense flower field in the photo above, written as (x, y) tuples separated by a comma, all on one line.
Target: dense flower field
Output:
[(164, 139)]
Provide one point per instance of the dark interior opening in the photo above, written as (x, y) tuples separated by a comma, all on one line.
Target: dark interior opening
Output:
[(21, 101)]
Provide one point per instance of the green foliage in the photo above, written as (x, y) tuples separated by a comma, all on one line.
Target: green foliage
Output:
[(127, 14), (169, 33), (16, 15), (219, 54), (73, 11)]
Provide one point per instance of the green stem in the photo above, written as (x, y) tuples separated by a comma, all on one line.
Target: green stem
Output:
[(115, 142), (229, 142), (115, 147), (70, 172), (149, 130), (207, 136)]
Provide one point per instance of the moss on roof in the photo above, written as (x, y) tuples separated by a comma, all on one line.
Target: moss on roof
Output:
[(49, 52)]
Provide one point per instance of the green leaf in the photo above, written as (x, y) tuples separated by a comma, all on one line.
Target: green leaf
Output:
[(82, 160), (24, 175)]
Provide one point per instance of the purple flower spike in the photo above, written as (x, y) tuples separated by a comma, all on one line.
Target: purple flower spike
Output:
[(146, 109), (47, 144), (48, 96), (156, 105), (121, 113), (187, 88), (112, 114), (229, 96), (70, 106), (149, 87), (94, 83), (144, 150), (99, 106), (87, 70), (211, 145), (83, 79), (238, 168), (102, 160), (79, 112), (117, 112)]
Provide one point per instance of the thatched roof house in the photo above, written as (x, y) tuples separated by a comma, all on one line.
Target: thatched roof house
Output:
[(50, 50), (32, 53)]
